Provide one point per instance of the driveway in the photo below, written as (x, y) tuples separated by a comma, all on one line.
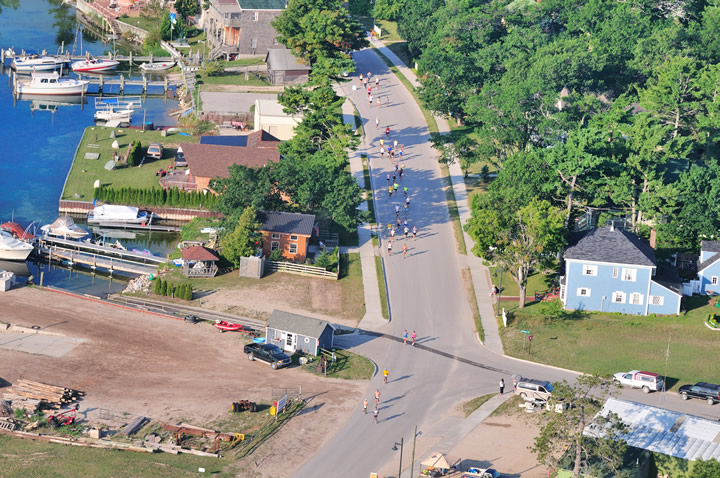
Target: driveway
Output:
[(220, 102)]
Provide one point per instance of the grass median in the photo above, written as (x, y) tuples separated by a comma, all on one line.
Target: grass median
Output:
[(381, 287)]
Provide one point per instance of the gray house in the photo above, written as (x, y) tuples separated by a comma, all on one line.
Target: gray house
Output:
[(283, 68), (241, 26), (293, 332)]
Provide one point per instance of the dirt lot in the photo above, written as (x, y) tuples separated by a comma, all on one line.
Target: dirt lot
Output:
[(169, 370)]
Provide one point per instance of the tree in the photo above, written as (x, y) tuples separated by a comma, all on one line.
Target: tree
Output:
[(241, 242), (246, 187), (519, 240), (564, 431), (706, 469), (321, 34), (157, 287), (187, 8), (456, 147)]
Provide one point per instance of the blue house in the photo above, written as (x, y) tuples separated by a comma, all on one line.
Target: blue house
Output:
[(709, 266), (611, 270)]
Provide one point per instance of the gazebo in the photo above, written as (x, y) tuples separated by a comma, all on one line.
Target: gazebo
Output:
[(199, 261)]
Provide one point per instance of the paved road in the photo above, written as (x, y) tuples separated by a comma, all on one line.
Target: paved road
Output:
[(448, 365)]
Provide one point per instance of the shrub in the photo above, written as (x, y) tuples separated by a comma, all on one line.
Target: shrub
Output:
[(327, 260), (276, 255), (157, 286), (135, 153)]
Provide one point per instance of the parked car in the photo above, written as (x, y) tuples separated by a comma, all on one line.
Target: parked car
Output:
[(530, 390), (155, 151), (481, 473), (647, 381), (268, 353), (180, 158), (707, 391)]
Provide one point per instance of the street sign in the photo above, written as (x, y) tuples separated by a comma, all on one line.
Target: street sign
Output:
[(530, 337), (525, 331), (173, 18)]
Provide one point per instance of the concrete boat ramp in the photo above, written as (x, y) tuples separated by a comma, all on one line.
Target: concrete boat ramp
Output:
[(37, 342)]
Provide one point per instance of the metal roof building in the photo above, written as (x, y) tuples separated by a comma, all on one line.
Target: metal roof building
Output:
[(664, 431)]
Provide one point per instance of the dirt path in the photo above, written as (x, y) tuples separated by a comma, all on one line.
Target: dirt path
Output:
[(169, 370)]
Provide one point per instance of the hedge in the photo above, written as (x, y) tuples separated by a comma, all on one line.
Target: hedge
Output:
[(156, 197)]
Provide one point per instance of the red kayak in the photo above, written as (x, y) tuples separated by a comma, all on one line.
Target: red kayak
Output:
[(225, 326)]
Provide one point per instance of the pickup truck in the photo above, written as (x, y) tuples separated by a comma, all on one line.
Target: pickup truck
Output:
[(269, 353), (647, 381)]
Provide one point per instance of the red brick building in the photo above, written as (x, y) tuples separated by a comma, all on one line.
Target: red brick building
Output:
[(287, 231)]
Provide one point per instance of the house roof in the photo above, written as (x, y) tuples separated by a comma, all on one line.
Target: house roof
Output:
[(214, 161), (613, 246), (667, 276), (287, 222), (297, 324), (664, 431), (282, 59), (262, 4), (198, 253), (227, 6), (256, 139), (709, 246)]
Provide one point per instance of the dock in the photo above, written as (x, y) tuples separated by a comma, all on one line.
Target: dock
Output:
[(122, 82), (138, 227), (96, 256)]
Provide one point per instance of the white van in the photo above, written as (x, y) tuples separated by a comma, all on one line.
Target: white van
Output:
[(531, 390)]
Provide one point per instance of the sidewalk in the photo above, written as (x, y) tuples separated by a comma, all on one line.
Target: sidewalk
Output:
[(478, 271), (373, 319)]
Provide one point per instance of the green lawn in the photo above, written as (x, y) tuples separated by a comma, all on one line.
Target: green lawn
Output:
[(353, 293), (610, 343), (536, 282), (453, 210), (381, 286), (146, 23), (84, 172), (243, 62), (21, 458), (388, 31), (230, 78), (348, 366), (472, 300)]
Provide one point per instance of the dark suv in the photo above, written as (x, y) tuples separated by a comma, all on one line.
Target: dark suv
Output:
[(707, 391)]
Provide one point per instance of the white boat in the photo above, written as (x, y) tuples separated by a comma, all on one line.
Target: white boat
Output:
[(31, 63), (94, 65), (114, 114), (51, 84), (64, 227), (111, 214), (157, 66), (12, 249)]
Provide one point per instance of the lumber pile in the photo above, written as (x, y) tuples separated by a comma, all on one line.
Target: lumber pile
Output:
[(31, 396)]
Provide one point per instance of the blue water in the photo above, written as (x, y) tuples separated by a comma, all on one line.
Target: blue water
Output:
[(37, 147)]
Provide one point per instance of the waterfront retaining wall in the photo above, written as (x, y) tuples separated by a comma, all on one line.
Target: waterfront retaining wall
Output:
[(167, 213)]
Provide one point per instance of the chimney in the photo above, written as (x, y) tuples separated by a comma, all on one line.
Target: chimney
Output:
[(653, 238), (612, 225)]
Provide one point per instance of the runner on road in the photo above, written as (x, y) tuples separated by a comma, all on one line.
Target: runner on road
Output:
[(377, 82), (414, 232), (397, 210), (404, 254), (382, 151), (388, 178), (405, 190), (406, 230), (389, 248), (375, 415), (387, 131), (392, 234), (365, 403), (385, 375), (390, 191), (405, 335), (377, 122), (377, 397), (413, 336)]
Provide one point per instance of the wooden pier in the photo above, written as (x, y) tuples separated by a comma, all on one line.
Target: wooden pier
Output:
[(101, 81), (96, 256)]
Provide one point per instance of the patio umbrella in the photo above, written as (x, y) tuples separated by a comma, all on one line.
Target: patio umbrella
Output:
[(440, 460)]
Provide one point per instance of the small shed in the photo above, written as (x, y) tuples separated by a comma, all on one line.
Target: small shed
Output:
[(293, 332), (199, 261), (283, 68)]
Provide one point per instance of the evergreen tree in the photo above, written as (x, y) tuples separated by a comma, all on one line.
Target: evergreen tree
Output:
[(157, 286)]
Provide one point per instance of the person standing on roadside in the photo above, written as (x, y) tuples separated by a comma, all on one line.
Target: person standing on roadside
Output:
[(502, 385)]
